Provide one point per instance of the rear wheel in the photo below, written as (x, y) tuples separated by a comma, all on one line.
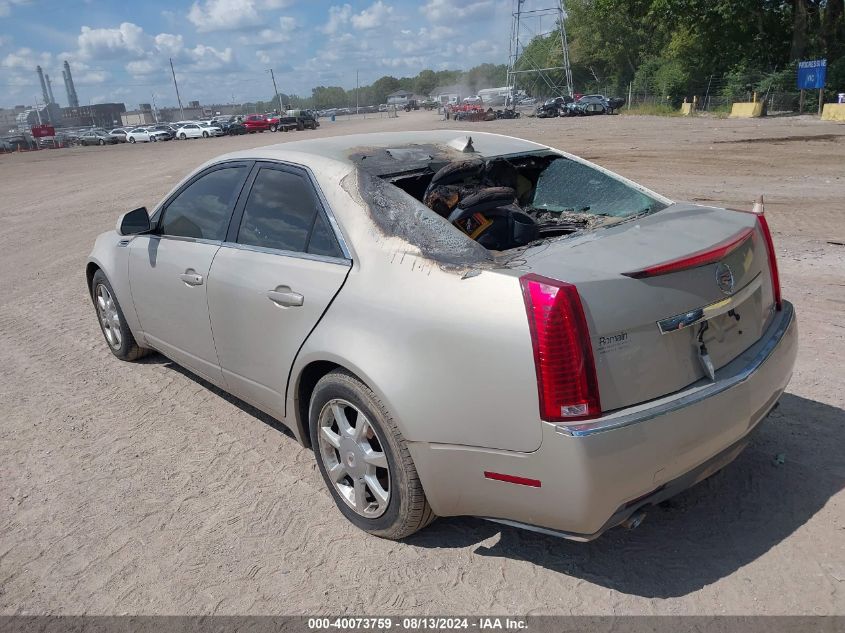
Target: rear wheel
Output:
[(119, 337), (183, 136), (205, 134), (274, 128), (131, 139), (102, 142), (364, 459)]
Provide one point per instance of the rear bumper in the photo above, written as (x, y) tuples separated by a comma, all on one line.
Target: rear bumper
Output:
[(594, 479)]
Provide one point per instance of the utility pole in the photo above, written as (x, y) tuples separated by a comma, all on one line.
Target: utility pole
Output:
[(276, 91), (178, 98), (356, 91), (155, 110)]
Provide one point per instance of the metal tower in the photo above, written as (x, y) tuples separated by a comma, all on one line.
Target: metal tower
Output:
[(49, 88), (521, 35), (72, 99), (45, 95)]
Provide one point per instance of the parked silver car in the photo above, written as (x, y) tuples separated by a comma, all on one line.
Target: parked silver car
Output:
[(475, 326)]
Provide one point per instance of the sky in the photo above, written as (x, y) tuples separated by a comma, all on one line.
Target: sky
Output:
[(221, 49)]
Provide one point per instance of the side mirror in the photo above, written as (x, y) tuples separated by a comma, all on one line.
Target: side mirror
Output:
[(134, 222)]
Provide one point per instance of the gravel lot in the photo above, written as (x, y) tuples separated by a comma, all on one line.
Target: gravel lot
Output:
[(137, 488)]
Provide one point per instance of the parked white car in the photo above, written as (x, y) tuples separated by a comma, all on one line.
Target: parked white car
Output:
[(190, 130), (140, 135), (210, 130)]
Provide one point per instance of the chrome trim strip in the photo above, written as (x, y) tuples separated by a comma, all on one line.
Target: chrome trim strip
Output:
[(282, 253), (686, 319), (708, 391), (182, 238)]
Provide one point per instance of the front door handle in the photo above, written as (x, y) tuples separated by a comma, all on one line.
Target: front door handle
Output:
[(286, 297), (191, 278)]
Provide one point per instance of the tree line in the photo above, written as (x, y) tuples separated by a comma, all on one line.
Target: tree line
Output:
[(674, 48)]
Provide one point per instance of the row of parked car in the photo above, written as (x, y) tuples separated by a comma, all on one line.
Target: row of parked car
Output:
[(584, 105), (183, 130)]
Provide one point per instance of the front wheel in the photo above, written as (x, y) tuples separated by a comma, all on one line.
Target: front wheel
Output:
[(183, 136), (274, 128), (102, 142), (205, 134), (131, 139), (364, 459), (112, 322)]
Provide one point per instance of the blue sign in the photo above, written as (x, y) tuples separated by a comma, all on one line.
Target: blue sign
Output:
[(811, 74)]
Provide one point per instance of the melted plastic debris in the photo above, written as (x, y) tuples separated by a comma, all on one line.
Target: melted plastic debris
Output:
[(396, 214)]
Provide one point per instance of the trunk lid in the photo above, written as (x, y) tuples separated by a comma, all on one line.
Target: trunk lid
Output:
[(646, 333)]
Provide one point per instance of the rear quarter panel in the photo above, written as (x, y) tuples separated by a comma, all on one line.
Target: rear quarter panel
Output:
[(448, 353)]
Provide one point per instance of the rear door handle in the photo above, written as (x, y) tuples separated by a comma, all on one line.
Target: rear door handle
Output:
[(191, 278), (286, 297)]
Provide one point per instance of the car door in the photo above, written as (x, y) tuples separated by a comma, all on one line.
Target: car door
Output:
[(169, 268), (272, 280)]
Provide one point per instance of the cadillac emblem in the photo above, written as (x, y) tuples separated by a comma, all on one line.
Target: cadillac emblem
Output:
[(724, 278)]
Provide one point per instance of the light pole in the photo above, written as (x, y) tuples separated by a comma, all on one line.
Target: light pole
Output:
[(356, 92), (276, 90), (178, 98)]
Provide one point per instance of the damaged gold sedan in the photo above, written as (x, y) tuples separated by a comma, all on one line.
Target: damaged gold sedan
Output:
[(477, 326)]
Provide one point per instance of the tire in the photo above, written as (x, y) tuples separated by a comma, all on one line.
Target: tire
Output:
[(300, 125), (154, 139), (406, 510), (205, 134), (183, 136), (102, 142), (132, 139), (274, 128), (113, 325)]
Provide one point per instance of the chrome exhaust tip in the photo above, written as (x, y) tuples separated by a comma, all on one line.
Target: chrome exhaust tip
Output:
[(634, 520)]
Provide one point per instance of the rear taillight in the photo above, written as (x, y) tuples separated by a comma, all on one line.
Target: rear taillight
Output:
[(773, 262), (563, 356)]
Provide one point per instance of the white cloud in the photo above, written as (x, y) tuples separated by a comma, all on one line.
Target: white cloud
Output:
[(338, 17), (169, 44), (450, 11), (287, 26), (127, 40), (26, 59), (6, 6), (142, 67), (373, 17), (208, 58), (231, 15), (263, 57)]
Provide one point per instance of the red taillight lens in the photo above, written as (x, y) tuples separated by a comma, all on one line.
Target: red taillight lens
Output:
[(563, 356), (773, 262)]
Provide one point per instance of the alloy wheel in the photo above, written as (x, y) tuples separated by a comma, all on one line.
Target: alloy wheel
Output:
[(353, 456), (108, 315)]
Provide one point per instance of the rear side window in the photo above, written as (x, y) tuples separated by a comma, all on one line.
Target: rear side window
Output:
[(203, 209), (282, 213)]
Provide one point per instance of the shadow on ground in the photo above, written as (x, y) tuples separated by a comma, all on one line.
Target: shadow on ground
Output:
[(694, 539), (703, 534)]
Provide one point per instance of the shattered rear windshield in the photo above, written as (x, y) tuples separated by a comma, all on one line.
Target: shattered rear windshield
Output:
[(504, 202), (569, 186)]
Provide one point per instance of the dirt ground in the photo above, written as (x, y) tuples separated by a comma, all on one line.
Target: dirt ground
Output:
[(136, 488)]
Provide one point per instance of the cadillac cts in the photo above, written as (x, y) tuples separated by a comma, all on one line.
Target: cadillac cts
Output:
[(477, 326)]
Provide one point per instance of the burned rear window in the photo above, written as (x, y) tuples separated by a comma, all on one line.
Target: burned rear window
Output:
[(566, 186), (505, 202)]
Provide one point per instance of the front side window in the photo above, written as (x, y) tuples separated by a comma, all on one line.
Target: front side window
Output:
[(282, 213), (202, 210)]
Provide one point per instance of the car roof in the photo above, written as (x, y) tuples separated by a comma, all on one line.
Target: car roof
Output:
[(342, 148)]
